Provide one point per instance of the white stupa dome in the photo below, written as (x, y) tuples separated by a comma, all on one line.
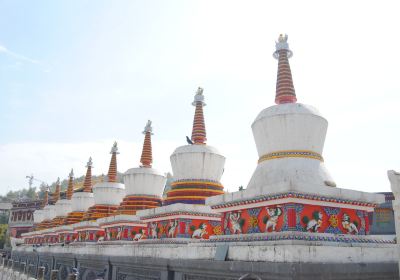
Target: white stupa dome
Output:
[(197, 162), (38, 216), (63, 207), (49, 212), (81, 201), (144, 181), (108, 193)]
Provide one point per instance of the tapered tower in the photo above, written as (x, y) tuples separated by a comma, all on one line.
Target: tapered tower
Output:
[(197, 167)]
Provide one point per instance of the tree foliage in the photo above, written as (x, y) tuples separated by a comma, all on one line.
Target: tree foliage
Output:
[(3, 235)]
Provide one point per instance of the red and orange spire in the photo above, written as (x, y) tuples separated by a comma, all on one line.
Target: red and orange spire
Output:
[(147, 156), (87, 184), (46, 197), (57, 192), (112, 170), (285, 92), (70, 189), (199, 127)]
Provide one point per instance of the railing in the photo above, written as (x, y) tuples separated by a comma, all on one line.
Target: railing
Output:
[(14, 270)]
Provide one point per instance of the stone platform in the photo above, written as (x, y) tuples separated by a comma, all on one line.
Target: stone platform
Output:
[(279, 259)]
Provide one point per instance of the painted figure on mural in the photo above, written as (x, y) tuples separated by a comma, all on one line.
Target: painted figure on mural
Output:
[(234, 218), (108, 234), (200, 232), (351, 227), (274, 213), (139, 235), (172, 227), (315, 223), (119, 231), (100, 238), (153, 229)]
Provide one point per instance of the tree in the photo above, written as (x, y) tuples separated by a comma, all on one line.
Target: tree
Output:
[(3, 235)]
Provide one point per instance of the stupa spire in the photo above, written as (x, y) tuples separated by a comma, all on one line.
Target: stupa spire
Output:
[(46, 197), (199, 128), (112, 170), (57, 192), (87, 184), (285, 92), (70, 189), (147, 156)]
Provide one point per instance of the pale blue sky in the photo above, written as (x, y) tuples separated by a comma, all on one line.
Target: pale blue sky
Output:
[(77, 75)]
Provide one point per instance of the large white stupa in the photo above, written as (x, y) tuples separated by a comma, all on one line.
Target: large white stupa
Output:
[(289, 137)]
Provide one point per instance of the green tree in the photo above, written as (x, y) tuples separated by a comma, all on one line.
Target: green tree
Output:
[(3, 235)]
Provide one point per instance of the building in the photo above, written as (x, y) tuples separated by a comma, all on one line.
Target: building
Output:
[(21, 216)]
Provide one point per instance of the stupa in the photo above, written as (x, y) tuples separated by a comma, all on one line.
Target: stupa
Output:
[(64, 206), (49, 211), (40, 215), (107, 195), (197, 167), (291, 189), (82, 201), (197, 170), (144, 184)]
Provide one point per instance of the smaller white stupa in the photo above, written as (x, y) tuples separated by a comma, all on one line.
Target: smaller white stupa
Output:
[(144, 184), (197, 167), (64, 206), (81, 201), (107, 195)]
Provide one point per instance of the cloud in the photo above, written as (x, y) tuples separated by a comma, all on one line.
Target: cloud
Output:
[(17, 56)]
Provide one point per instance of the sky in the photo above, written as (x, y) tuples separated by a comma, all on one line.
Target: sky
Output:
[(75, 76)]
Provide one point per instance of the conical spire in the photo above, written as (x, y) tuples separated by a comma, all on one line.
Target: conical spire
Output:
[(46, 197), (87, 184), (199, 128), (112, 170), (70, 189), (285, 92), (147, 156), (57, 192)]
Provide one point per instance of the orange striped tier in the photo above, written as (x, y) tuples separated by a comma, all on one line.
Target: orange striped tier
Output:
[(100, 211), (192, 191), (74, 217), (58, 221), (45, 224), (132, 203)]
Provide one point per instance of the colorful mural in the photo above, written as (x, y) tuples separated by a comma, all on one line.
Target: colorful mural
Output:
[(295, 217), (91, 235), (126, 232), (183, 228)]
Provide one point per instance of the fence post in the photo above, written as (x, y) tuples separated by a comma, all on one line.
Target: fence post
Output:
[(54, 274), (40, 274), (31, 270)]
